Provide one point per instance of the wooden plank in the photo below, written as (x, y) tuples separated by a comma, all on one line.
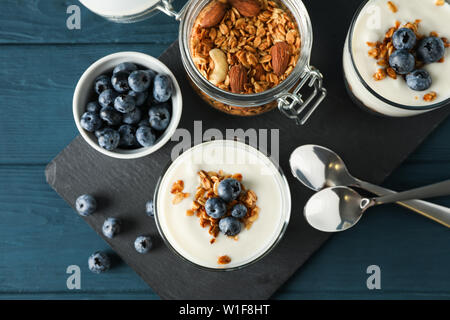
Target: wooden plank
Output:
[(38, 263), (44, 21)]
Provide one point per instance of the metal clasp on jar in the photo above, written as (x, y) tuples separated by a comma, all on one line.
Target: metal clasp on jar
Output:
[(167, 8), (293, 106)]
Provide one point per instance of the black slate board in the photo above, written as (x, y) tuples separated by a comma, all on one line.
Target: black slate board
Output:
[(371, 146)]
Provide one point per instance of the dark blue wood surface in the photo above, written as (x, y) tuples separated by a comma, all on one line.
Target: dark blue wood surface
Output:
[(40, 63)]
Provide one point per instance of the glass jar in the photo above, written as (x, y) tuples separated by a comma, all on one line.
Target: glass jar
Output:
[(360, 91), (286, 96)]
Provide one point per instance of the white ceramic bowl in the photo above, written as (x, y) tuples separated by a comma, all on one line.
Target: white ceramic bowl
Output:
[(84, 93)]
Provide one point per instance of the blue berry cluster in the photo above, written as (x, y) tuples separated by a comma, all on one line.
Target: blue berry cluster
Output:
[(132, 108), (408, 51), (228, 190)]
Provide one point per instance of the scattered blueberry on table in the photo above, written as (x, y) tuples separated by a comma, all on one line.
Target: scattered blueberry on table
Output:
[(86, 205), (143, 244), (149, 208), (99, 262), (132, 108), (111, 227)]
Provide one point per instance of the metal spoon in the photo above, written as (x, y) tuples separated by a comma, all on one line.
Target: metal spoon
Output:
[(340, 208), (318, 167)]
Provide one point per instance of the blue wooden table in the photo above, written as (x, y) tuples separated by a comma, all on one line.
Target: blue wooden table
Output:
[(40, 235)]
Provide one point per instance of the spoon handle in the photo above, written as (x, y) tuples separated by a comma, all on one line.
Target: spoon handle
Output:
[(434, 190), (429, 210)]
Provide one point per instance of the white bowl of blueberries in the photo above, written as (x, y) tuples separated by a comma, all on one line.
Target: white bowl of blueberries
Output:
[(127, 105)]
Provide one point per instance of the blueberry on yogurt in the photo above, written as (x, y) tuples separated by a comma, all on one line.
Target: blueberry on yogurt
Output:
[(162, 88), (230, 226), (90, 121), (239, 211), (109, 139), (430, 49), (404, 38), (143, 244), (86, 205), (402, 61), (229, 189), (419, 80), (99, 262), (215, 208), (111, 227), (159, 117)]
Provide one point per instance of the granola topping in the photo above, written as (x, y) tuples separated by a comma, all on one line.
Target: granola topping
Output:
[(244, 41), (224, 260)]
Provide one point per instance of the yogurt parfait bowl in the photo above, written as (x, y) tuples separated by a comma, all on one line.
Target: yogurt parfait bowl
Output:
[(210, 228), (396, 56)]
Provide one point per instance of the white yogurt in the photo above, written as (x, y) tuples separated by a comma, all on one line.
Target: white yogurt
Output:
[(185, 234), (370, 26), (118, 8)]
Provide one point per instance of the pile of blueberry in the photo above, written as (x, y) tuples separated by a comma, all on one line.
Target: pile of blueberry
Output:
[(403, 61), (216, 208), (133, 107)]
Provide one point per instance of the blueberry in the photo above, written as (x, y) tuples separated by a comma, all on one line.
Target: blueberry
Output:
[(402, 61), (124, 103), (230, 226), (90, 121), (229, 189), (140, 97), (85, 205), (127, 136), (159, 117), (145, 136), (111, 227), (110, 116), (239, 211), (99, 262), (430, 49), (162, 88), (125, 66), (215, 208), (99, 132), (119, 82), (132, 117), (419, 80), (404, 38), (107, 97), (102, 83), (149, 208), (109, 139), (145, 122), (143, 244), (139, 81), (93, 107)]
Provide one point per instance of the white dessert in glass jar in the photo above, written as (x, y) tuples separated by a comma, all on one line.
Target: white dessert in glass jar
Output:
[(183, 233), (119, 10), (393, 97)]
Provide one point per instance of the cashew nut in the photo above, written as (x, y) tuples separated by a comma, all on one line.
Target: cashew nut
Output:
[(220, 71)]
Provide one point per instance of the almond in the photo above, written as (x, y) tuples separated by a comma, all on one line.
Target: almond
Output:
[(280, 57), (248, 8), (212, 14), (238, 77)]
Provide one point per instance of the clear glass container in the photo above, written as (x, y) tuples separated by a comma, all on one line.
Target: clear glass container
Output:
[(164, 185), (362, 93), (286, 96)]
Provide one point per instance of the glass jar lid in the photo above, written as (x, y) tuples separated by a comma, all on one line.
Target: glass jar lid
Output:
[(121, 10)]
